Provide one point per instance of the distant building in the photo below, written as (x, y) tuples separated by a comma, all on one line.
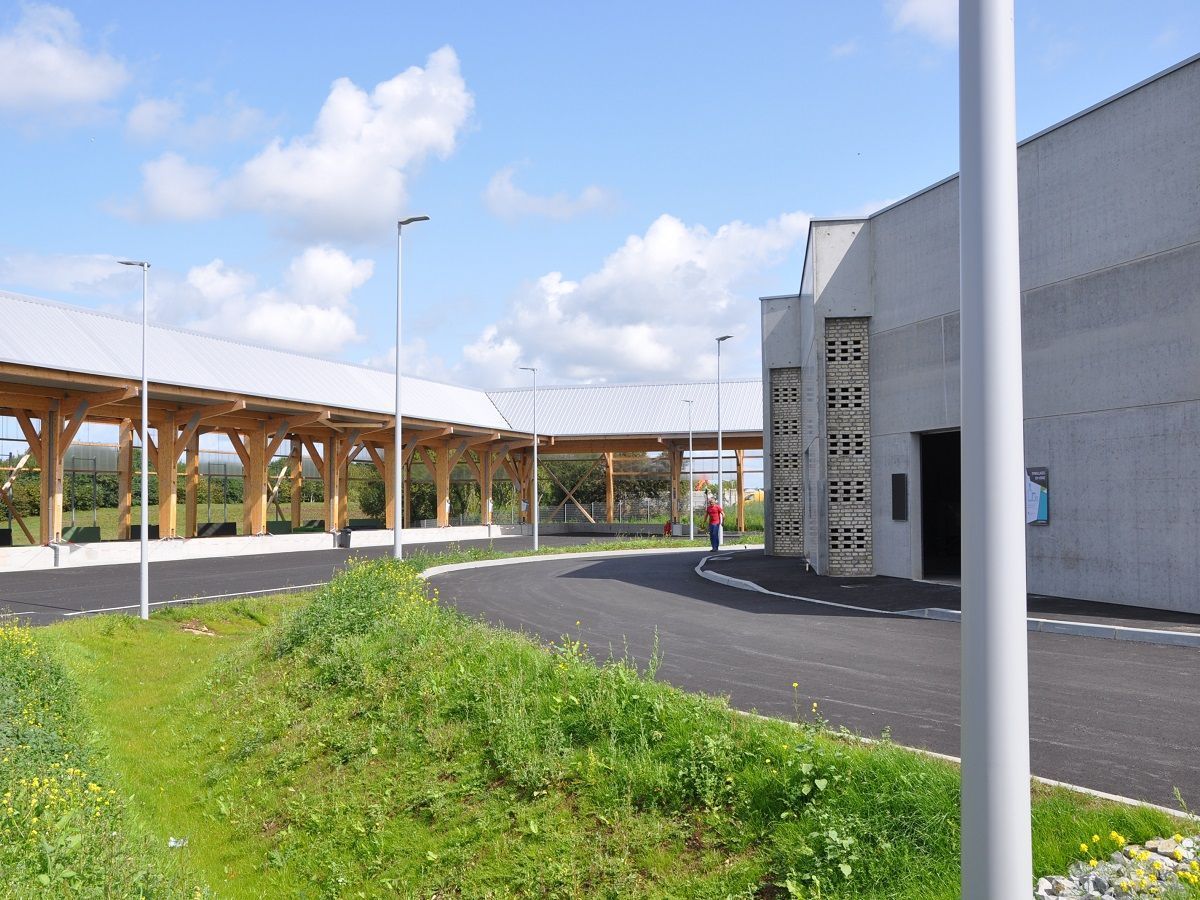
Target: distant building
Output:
[(861, 368)]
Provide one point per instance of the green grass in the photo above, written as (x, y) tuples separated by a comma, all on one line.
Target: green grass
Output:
[(365, 741)]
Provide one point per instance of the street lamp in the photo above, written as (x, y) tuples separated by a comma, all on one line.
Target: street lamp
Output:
[(996, 853), (144, 531), (535, 461), (720, 449), (398, 449), (691, 477)]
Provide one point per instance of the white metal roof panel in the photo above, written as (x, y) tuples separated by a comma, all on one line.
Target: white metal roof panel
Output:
[(54, 336), (634, 409)]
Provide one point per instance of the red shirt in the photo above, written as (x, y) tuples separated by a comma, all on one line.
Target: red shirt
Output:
[(715, 514)]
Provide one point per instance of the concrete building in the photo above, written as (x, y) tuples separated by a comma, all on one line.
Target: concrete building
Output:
[(861, 367)]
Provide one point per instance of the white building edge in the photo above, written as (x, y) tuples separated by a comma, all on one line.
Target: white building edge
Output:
[(861, 368)]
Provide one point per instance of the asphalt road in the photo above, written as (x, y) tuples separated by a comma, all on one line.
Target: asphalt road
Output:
[(48, 594), (1110, 715)]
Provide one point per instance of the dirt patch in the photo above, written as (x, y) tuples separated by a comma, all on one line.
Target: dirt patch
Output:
[(195, 626)]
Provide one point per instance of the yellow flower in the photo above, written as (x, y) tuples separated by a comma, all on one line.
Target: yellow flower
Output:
[(1096, 838), (795, 684), (1083, 848)]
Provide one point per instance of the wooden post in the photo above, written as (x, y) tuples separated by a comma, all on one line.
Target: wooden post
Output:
[(50, 461), (124, 479), (296, 456), (254, 491), (168, 477), (191, 487), (676, 459), (328, 471), (407, 505), (740, 457), (609, 499), (441, 477), (344, 483), (487, 462)]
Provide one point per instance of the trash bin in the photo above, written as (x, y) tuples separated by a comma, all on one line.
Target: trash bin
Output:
[(343, 539), (676, 529)]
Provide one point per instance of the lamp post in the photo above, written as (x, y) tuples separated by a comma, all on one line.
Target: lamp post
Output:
[(720, 449), (534, 499), (398, 448), (996, 853), (144, 530), (691, 477)]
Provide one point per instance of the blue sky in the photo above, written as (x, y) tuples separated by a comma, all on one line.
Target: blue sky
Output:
[(610, 185)]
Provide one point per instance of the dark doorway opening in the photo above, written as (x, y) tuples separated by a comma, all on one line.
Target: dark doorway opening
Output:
[(941, 505)]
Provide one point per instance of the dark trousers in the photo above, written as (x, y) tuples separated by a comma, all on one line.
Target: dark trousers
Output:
[(714, 535)]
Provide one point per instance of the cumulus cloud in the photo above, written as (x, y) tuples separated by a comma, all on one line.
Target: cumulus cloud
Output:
[(936, 20), (173, 188), (309, 310), (164, 120), (508, 201), (844, 49), (650, 311), (347, 178), (44, 65)]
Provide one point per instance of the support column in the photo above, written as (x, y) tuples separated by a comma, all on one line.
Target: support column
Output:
[(609, 493), (296, 461), (487, 462), (441, 479), (50, 522), (254, 492), (124, 479), (328, 476), (191, 488), (344, 484), (676, 459), (407, 505), (168, 477), (740, 457)]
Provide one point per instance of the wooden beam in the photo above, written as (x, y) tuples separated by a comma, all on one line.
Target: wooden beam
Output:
[(740, 458), (279, 427), (191, 487), (124, 478), (609, 494), (6, 496), (239, 448), (313, 453), (570, 494), (254, 493), (348, 448), (296, 464), (168, 478), (104, 398), (32, 437)]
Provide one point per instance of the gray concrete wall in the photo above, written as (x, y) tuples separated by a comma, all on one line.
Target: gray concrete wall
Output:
[(1110, 256), (781, 320)]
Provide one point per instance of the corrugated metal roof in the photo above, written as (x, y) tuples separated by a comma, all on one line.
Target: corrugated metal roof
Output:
[(633, 409), (52, 335)]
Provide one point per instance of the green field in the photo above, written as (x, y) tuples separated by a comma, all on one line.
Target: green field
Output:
[(364, 741)]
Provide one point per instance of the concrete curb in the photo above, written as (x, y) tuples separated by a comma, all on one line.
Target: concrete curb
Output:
[(1047, 626), (548, 557)]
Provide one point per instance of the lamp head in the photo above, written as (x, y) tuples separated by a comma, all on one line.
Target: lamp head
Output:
[(527, 368), (133, 262), (724, 337), (410, 220)]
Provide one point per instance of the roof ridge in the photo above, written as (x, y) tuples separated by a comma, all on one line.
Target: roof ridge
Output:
[(624, 384)]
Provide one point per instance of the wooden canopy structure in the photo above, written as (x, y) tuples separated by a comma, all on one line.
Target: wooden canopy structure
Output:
[(51, 405)]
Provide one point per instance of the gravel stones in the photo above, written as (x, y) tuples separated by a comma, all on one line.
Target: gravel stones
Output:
[(1160, 869)]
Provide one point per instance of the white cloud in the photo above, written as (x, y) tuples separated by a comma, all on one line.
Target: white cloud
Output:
[(160, 119), (508, 201), (650, 311), (844, 49), (173, 188), (348, 177), (44, 65), (309, 310), (936, 20)]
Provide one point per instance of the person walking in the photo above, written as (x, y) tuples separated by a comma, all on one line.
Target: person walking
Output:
[(716, 518)]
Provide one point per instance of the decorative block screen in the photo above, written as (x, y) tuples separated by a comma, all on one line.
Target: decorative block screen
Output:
[(848, 446), (787, 464)]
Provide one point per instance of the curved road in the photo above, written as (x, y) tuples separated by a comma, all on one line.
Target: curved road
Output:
[(1110, 715)]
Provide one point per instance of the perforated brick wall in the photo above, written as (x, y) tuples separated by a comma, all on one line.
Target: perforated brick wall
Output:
[(848, 446), (787, 464)]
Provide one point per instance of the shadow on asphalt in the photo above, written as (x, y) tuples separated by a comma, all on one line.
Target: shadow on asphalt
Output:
[(692, 587)]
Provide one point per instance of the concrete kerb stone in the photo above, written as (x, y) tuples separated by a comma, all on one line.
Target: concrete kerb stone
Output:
[(1048, 626)]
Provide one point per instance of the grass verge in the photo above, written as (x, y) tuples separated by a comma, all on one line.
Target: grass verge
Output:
[(367, 742)]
